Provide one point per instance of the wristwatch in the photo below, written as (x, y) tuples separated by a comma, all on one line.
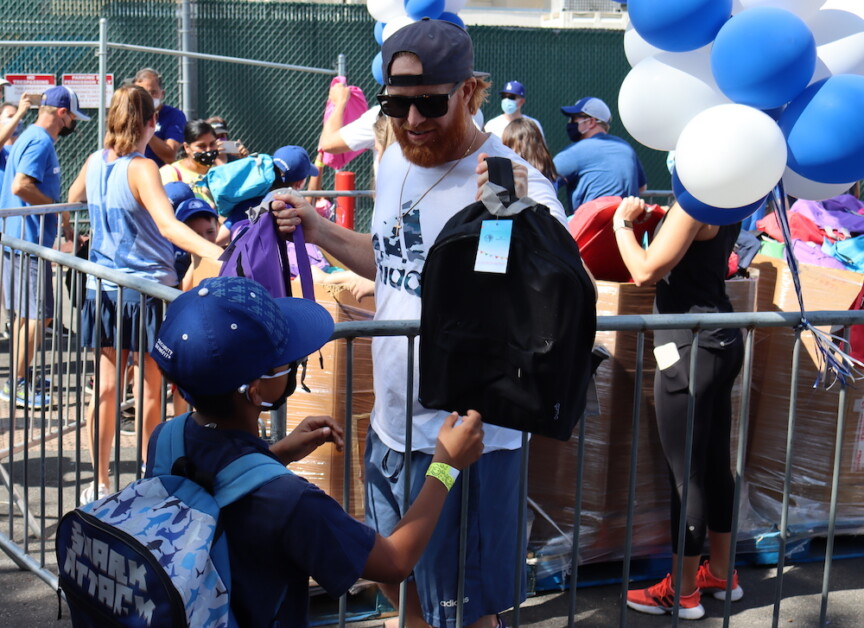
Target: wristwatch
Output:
[(620, 223)]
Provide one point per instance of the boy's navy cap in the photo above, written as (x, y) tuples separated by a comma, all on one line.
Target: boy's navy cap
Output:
[(178, 192), (294, 163), (62, 96), (514, 87), (590, 106), (229, 331), (444, 49), (194, 207)]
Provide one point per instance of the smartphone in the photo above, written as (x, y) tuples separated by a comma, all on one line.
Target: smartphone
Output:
[(230, 147), (35, 99)]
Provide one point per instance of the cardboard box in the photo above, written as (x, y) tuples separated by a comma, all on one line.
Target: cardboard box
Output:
[(816, 416), (553, 465), (326, 466)]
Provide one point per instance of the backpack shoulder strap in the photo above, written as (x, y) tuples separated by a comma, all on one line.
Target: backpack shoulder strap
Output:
[(170, 445), (244, 475)]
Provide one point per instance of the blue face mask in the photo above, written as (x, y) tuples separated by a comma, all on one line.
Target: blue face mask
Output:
[(508, 105)]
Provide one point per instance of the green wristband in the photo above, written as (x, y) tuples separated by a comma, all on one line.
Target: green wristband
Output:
[(443, 472)]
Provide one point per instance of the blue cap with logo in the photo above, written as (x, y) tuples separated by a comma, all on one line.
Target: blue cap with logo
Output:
[(192, 207), (229, 331), (293, 164), (514, 87), (62, 96)]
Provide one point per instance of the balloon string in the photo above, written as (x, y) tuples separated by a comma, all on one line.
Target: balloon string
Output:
[(833, 363)]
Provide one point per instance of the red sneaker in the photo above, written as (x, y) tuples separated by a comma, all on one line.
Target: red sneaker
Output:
[(709, 583), (660, 599)]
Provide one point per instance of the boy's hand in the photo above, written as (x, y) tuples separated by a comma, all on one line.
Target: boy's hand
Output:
[(312, 432), (462, 444)]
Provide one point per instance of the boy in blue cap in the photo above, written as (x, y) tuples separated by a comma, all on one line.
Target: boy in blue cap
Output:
[(512, 101), (233, 350)]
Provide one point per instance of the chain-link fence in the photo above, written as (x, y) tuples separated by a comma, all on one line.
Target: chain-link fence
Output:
[(267, 108)]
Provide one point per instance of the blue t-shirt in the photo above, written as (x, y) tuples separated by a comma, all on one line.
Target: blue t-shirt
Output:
[(169, 126), (279, 535), (4, 156), (602, 165), (32, 154)]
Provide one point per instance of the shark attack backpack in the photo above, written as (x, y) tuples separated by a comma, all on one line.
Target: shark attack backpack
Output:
[(514, 345)]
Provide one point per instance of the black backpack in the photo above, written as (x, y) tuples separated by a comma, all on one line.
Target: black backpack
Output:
[(514, 346)]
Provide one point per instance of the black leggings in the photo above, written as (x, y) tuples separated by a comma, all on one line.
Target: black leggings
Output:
[(711, 488)]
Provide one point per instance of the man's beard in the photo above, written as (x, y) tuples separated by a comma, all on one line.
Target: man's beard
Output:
[(444, 147)]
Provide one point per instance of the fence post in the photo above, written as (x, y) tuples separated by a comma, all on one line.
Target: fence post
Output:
[(102, 53), (345, 204), (340, 65), (186, 63)]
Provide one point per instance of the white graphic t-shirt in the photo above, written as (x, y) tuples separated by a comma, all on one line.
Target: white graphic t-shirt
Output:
[(400, 252)]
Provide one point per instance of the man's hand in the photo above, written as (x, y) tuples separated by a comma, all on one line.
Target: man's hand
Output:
[(339, 94), (312, 432), (460, 445), (290, 209), (520, 177), (23, 106)]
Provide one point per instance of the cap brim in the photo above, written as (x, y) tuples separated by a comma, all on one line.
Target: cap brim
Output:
[(313, 171), (80, 116), (570, 111), (311, 327)]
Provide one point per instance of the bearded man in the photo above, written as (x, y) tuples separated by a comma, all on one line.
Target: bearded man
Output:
[(435, 168)]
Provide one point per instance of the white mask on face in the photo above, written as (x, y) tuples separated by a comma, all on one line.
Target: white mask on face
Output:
[(156, 103)]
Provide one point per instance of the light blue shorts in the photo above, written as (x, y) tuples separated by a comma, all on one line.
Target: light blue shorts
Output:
[(490, 566)]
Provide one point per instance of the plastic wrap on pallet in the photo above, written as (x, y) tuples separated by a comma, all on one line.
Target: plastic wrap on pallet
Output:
[(817, 411), (554, 465), (325, 466)]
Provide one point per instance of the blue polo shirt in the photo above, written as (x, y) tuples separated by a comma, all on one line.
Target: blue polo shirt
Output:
[(169, 126), (602, 165), (279, 535), (32, 154)]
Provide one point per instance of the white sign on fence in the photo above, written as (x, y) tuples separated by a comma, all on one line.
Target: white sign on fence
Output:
[(33, 84), (86, 86)]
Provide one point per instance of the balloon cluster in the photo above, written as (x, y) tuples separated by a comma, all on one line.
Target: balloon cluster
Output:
[(748, 92), (391, 15)]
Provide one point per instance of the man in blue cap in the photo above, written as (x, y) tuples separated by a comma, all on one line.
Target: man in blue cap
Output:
[(512, 101), (32, 177), (596, 164)]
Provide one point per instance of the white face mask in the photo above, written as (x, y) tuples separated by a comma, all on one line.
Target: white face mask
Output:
[(156, 103)]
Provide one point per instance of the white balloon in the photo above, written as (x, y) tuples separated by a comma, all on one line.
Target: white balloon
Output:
[(454, 6), (385, 10), (662, 94), (394, 25), (635, 48), (852, 6), (839, 39), (802, 8), (799, 187), (730, 155)]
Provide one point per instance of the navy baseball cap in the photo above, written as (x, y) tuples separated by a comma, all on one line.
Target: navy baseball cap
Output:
[(590, 106), (62, 96), (178, 192), (192, 207), (444, 48), (229, 331), (293, 163), (514, 87)]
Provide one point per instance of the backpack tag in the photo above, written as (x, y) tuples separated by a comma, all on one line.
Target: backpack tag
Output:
[(493, 246)]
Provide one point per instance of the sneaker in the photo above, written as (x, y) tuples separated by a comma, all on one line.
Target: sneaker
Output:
[(36, 398), (90, 494), (709, 583), (127, 424), (660, 599)]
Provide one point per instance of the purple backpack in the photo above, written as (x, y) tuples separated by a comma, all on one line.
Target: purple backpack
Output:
[(258, 252)]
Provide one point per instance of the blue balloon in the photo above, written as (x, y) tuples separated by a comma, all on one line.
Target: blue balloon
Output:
[(679, 25), (379, 32), (418, 9), (824, 130), (378, 68), (452, 17), (708, 214), (763, 57)]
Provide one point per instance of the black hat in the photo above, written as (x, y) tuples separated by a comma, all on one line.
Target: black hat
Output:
[(444, 49)]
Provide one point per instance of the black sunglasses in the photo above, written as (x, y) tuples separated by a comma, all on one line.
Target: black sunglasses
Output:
[(428, 105), (509, 96)]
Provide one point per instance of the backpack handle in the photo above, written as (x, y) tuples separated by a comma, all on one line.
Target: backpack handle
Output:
[(501, 174), (304, 268)]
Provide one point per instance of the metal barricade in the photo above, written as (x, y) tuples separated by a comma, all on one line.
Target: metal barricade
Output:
[(44, 459)]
